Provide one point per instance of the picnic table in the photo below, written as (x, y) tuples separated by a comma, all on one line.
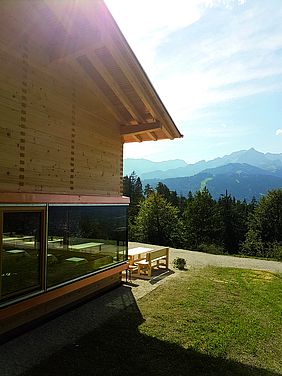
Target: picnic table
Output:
[(27, 238), (76, 260), (11, 239), (146, 259), (86, 247), (17, 252), (138, 251), (134, 255), (56, 241)]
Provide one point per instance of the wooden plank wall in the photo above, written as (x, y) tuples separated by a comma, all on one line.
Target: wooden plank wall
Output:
[(56, 135)]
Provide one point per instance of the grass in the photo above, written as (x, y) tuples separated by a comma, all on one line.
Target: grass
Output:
[(228, 313), (212, 321)]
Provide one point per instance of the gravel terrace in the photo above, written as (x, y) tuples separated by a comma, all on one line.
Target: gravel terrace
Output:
[(197, 260)]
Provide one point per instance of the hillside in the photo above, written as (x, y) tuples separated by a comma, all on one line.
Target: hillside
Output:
[(240, 180)]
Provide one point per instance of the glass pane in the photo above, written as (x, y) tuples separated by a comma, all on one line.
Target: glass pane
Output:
[(20, 252), (83, 239)]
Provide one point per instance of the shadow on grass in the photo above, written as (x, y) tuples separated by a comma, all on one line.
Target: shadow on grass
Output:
[(157, 275), (160, 274), (118, 348)]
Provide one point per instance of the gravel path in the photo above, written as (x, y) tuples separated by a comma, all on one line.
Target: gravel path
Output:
[(200, 259), (194, 259)]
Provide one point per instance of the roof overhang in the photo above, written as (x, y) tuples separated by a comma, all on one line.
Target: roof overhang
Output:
[(85, 34)]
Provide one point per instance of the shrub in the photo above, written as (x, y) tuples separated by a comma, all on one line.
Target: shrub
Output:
[(253, 245), (211, 248), (275, 251), (179, 263)]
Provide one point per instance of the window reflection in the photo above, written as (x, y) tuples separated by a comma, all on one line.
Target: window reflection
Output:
[(20, 254), (84, 239), (80, 240)]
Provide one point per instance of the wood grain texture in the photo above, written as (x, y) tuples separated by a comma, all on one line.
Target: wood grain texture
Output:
[(68, 82), (56, 136)]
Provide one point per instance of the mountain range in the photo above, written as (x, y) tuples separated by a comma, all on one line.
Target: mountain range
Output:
[(244, 174)]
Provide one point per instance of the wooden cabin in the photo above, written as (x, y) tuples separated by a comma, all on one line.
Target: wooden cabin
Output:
[(72, 93)]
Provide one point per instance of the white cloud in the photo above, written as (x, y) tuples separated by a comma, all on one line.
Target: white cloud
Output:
[(229, 57), (278, 132), (239, 63), (138, 19), (147, 23), (216, 131)]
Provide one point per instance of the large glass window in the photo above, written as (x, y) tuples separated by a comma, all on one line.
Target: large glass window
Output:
[(84, 239), (21, 252), (76, 240)]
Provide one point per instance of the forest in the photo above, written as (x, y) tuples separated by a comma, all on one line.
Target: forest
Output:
[(199, 222)]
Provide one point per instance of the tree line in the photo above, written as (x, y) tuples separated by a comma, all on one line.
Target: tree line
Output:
[(199, 222)]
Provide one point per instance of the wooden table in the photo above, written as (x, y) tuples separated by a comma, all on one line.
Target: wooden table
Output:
[(134, 254), (54, 241), (17, 252), (76, 260), (11, 239), (138, 251), (29, 244), (27, 238), (23, 240), (86, 247)]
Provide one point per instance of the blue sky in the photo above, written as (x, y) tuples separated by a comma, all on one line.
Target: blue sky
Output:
[(217, 66)]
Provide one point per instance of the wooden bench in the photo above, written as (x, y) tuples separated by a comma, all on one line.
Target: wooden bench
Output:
[(152, 260)]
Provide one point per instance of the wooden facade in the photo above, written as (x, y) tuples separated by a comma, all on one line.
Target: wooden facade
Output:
[(72, 93)]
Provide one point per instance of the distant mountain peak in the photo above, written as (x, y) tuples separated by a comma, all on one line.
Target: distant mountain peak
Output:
[(253, 151), (146, 169)]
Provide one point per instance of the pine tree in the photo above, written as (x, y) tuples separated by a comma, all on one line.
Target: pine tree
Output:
[(201, 219), (132, 187), (264, 237), (148, 190), (235, 216)]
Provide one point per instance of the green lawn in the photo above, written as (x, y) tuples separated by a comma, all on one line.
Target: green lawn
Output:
[(228, 313), (213, 321)]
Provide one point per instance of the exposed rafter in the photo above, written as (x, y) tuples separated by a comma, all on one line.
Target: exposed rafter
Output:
[(114, 86), (152, 136), (169, 135), (121, 61), (138, 129), (158, 112), (138, 138)]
